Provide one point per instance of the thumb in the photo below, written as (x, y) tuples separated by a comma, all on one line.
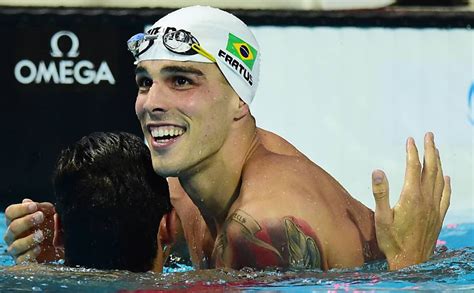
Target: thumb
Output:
[(381, 196)]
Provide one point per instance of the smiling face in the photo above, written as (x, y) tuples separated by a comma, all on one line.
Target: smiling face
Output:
[(186, 110)]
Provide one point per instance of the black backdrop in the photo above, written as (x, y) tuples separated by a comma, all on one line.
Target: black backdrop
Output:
[(39, 118), (41, 115)]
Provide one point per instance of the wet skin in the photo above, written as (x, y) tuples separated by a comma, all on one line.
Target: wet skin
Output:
[(234, 179), (246, 197)]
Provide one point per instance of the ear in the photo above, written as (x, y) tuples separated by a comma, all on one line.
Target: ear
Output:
[(58, 239), (242, 110)]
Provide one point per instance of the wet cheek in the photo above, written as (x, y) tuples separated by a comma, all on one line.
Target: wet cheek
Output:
[(139, 106), (191, 106), (216, 128)]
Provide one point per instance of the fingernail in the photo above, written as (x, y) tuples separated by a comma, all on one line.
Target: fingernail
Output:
[(31, 207), (37, 250), (377, 176), (378, 179), (38, 217), (428, 136), (11, 251), (38, 236)]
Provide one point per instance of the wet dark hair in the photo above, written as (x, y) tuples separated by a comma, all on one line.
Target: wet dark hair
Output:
[(110, 202)]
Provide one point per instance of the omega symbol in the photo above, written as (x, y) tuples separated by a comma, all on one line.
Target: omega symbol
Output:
[(73, 51)]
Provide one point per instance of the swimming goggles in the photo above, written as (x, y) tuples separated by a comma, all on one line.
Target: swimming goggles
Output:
[(179, 42)]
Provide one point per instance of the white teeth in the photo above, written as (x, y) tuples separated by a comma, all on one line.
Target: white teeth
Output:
[(162, 131)]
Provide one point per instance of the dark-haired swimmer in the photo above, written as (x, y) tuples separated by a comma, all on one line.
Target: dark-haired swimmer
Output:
[(246, 197), (109, 204)]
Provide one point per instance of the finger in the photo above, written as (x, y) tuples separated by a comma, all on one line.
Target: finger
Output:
[(412, 171), (430, 168), (29, 256), (383, 212), (22, 245), (26, 200), (22, 225), (16, 211), (445, 198), (439, 183)]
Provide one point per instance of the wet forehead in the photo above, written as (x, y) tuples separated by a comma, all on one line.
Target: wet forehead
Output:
[(165, 66), (210, 71)]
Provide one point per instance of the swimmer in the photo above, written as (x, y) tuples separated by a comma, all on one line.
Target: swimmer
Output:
[(246, 197), (109, 204)]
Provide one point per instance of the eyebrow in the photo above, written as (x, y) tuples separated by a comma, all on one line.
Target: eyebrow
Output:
[(140, 70), (171, 70), (181, 69)]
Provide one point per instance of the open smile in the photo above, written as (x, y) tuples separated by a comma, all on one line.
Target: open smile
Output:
[(165, 135)]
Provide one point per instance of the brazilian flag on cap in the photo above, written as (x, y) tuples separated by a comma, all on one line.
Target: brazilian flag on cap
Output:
[(242, 50)]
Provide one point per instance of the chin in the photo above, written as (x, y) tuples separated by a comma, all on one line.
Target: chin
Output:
[(166, 171)]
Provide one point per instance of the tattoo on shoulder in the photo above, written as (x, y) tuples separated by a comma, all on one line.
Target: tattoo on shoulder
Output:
[(286, 242), (303, 251)]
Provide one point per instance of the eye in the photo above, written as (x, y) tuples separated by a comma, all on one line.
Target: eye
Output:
[(181, 82), (144, 82)]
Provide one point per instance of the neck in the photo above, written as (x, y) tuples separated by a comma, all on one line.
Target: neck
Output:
[(216, 184)]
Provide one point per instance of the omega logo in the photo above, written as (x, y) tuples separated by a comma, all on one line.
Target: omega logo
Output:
[(72, 53), (63, 71)]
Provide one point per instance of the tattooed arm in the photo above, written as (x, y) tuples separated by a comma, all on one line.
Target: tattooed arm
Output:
[(286, 243)]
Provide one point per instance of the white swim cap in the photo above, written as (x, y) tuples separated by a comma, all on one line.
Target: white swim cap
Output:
[(204, 34)]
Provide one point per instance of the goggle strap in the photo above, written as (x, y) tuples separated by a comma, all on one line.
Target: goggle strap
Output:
[(203, 52)]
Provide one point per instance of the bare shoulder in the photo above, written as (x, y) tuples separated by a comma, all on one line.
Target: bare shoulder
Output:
[(292, 197), (271, 223), (276, 185), (277, 144), (271, 174), (249, 241)]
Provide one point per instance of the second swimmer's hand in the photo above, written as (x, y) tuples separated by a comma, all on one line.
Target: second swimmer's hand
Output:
[(30, 231), (407, 233)]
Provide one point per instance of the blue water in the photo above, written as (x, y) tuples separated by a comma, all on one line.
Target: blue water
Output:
[(451, 268)]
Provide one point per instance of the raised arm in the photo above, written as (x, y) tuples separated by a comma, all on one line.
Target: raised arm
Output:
[(407, 233)]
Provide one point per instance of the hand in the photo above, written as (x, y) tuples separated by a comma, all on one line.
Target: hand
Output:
[(30, 232), (407, 233)]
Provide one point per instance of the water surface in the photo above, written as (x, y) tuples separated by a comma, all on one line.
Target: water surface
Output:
[(451, 268)]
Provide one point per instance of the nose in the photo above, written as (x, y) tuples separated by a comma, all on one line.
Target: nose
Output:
[(157, 99)]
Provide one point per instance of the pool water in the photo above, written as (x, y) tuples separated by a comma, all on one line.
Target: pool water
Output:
[(451, 268)]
